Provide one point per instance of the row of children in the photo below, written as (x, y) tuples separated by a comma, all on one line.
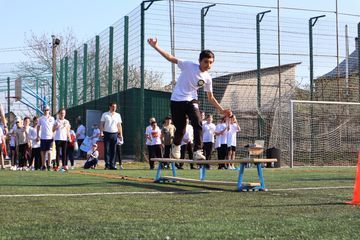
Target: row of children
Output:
[(222, 137)]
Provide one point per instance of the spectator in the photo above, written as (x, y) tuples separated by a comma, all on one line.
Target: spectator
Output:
[(221, 140), (95, 134), (92, 158), (35, 146), (22, 141), (187, 145), (167, 136), (155, 139), (71, 147), (80, 136), (111, 129), (45, 128), (11, 133), (208, 137), (62, 134), (233, 128), (148, 141)]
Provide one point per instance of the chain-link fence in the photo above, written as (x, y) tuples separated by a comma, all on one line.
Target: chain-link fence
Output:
[(264, 56)]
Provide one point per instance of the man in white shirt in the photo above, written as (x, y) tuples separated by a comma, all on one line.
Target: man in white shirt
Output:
[(111, 129), (46, 135), (184, 98)]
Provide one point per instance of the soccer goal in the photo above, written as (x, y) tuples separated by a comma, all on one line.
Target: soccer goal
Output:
[(324, 133)]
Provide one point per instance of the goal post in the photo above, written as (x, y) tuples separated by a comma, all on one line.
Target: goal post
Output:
[(324, 133)]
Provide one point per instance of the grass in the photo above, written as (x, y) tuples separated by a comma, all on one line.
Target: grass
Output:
[(189, 212)]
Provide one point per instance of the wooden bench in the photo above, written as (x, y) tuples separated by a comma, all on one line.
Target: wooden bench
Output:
[(240, 184)]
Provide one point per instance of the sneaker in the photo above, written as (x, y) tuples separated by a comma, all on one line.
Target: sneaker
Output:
[(72, 167), (198, 155), (175, 151), (121, 167)]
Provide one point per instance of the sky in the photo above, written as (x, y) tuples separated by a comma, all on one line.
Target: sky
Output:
[(85, 18)]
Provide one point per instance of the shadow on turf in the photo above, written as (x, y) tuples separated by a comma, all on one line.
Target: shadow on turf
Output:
[(167, 187)]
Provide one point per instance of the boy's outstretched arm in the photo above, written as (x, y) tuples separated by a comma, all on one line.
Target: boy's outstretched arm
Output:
[(154, 43), (215, 103)]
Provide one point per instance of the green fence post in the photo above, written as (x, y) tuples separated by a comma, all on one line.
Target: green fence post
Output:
[(203, 13), (97, 72), (111, 49), (84, 72), (312, 22), (61, 84), (126, 53), (66, 78), (259, 18), (74, 92)]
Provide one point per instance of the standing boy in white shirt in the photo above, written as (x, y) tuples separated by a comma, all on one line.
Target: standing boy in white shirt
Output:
[(111, 129), (46, 136), (184, 99)]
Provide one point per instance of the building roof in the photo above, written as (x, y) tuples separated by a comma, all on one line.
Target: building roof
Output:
[(353, 66), (239, 90)]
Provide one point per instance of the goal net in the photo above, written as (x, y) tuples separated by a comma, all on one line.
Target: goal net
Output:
[(324, 133)]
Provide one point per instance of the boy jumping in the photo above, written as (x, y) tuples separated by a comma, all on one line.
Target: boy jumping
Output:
[(184, 98)]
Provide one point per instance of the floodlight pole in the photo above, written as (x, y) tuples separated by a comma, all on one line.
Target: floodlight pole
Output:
[(55, 43), (259, 18), (312, 22)]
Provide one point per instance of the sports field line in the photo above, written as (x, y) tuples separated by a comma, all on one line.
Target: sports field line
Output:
[(153, 193)]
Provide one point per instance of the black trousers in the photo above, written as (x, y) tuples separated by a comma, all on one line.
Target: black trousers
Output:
[(35, 154), (208, 150), (222, 151), (179, 111), (189, 149), (154, 152), (118, 154), (70, 155), (63, 146)]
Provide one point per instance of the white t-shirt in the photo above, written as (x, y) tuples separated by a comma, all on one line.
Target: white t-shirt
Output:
[(95, 135), (220, 139), (62, 133), (208, 132), (148, 133), (231, 135), (33, 137), (155, 136), (188, 136), (12, 136), (46, 124), (111, 121), (95, 154), (189, 81), (80, 132)]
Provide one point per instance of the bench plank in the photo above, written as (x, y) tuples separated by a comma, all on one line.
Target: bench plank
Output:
[(212, 162), (244, 184)]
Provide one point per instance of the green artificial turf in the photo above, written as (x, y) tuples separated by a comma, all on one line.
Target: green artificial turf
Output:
[(178, 210)]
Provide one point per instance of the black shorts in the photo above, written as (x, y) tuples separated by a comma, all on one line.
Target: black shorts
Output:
[(232, 148), (12, 148), (46, 144)]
